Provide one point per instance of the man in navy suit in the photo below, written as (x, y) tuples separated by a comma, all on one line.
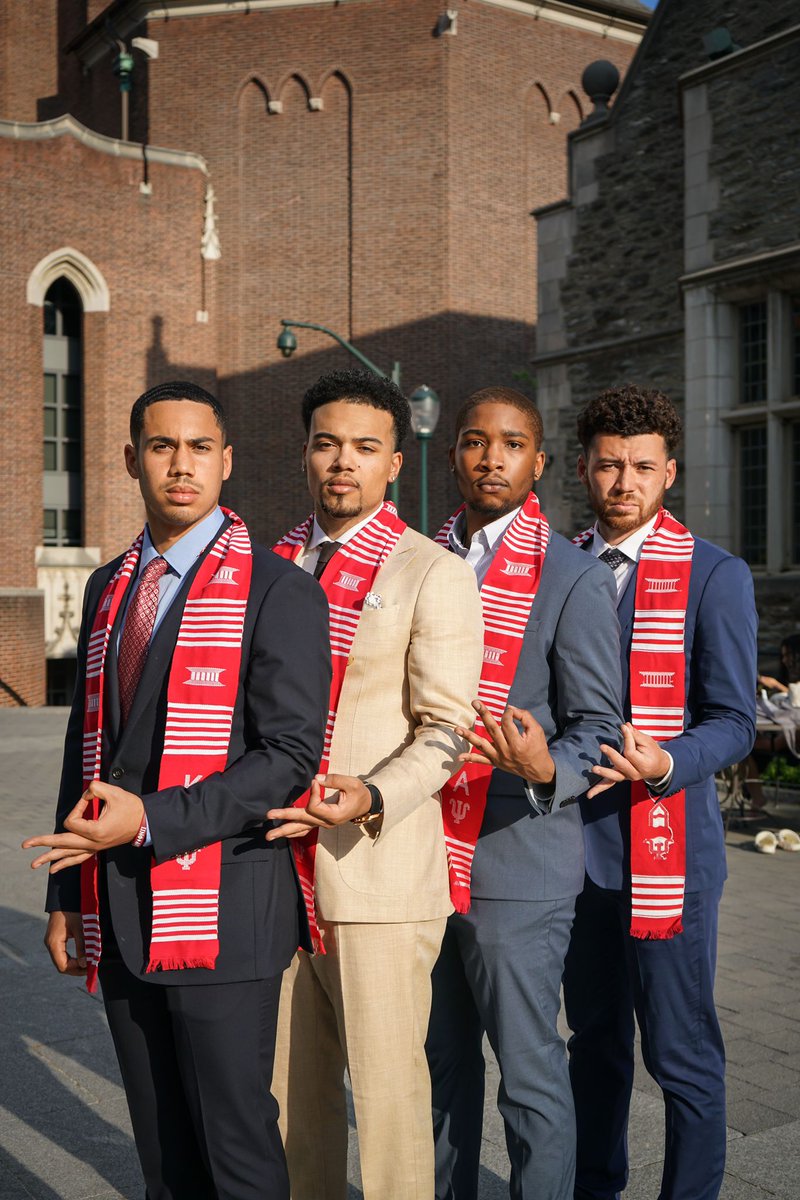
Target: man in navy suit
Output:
[(195, 1045), (628, 437), (501, 963)]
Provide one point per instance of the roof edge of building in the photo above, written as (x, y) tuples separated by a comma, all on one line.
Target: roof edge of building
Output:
[(68, 126)]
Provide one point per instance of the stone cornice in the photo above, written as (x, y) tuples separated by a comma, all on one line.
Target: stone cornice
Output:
[(730, 62), (67, 126), (604, 17), (609, 20), (763, 262)]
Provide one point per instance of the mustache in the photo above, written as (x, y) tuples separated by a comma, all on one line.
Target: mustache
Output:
[(343, 479), (181, 485)]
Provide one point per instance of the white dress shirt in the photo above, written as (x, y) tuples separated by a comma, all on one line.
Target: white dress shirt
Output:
[(483, 545), (309, 556), (631, 547)]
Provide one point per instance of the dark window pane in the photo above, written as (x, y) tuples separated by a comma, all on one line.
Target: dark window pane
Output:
[(49, 389), (49, 422), (50, 463), (49, 317), (72, 390), (50, 527), (795, 510), (71, 320), (66, 305), (72, 423), (753, 353), (753, 494), (71, 519), (72, 457), (796, 346)]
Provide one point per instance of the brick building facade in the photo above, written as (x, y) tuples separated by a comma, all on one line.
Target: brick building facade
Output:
[(369, 165), (675, 262)]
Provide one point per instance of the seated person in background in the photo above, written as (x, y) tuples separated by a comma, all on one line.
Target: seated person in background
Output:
[(789, 670)]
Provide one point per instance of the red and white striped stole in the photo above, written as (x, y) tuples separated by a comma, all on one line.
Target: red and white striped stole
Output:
[(347, 580), (658, 708), (201, 695), (507, 596)]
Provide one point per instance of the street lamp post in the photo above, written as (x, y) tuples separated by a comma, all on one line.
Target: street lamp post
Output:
[(287, 344), (425, 409)]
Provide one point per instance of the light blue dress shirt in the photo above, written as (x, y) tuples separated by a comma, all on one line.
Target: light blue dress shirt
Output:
[(180, 559)]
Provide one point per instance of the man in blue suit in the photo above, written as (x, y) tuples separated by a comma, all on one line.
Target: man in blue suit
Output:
[(501, 962), (662, 975)]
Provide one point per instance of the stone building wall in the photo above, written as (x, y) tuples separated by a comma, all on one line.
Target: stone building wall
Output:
[(614, 255), (751, 109)]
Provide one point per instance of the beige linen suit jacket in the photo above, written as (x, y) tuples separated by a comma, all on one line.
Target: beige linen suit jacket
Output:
[(414, 668)]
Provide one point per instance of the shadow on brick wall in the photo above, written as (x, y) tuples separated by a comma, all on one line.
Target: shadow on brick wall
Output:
[(452, 352)]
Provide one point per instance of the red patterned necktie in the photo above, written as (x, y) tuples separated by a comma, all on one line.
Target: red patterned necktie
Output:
[(135, 640)]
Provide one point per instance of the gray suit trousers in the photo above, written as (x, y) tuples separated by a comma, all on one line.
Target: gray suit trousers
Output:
[(500, 972)]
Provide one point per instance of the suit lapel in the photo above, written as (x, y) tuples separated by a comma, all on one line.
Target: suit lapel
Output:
[(626, 605), (113, 715)]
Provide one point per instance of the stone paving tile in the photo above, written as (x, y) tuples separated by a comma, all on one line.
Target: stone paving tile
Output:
[(770, 1160), (750, 1116), (644, 1184), (785, 1041), (767, 1075)]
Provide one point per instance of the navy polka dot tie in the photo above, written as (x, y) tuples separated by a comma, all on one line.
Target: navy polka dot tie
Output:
[(614, 558)]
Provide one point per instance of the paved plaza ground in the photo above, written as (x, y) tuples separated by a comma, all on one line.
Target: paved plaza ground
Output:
[(64, 1130)]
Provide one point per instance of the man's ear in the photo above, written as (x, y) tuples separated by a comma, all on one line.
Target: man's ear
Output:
[(582, 472), (227, 462), (131, 462), (672, 471)]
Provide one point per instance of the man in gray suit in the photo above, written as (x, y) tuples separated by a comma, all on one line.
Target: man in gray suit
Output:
[(501, 962)]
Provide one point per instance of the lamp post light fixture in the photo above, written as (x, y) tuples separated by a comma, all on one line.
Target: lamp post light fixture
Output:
[(425, 409), (287, 344)]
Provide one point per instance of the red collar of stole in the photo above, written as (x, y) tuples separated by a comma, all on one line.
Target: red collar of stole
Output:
[(201, 694), (658, 707), (347, 579), (507, 596)]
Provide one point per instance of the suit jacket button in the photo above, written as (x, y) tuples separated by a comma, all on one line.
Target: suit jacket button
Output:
[(117, 773)]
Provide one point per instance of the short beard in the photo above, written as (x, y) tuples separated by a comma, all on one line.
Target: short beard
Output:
[(627, 524), (486, 509), (339, 510)]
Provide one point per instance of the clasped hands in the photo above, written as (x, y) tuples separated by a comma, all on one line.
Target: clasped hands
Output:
[(118, 823), (352, 799), (517, 744)]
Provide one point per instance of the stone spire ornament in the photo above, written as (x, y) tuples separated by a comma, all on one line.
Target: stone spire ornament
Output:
[(209, 243)]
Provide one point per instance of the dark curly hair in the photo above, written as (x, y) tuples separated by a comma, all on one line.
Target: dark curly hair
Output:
[(503, 395), (629, 411), (174, 389), (360, 387)]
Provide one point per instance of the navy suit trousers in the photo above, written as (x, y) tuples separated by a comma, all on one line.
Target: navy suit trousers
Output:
[(196, 1062), (668, 986)]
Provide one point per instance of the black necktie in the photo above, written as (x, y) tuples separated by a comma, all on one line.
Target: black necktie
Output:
[(326, 553), (614, 558)]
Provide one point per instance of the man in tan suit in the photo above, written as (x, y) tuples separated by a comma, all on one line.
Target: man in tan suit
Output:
[(407, 657)]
